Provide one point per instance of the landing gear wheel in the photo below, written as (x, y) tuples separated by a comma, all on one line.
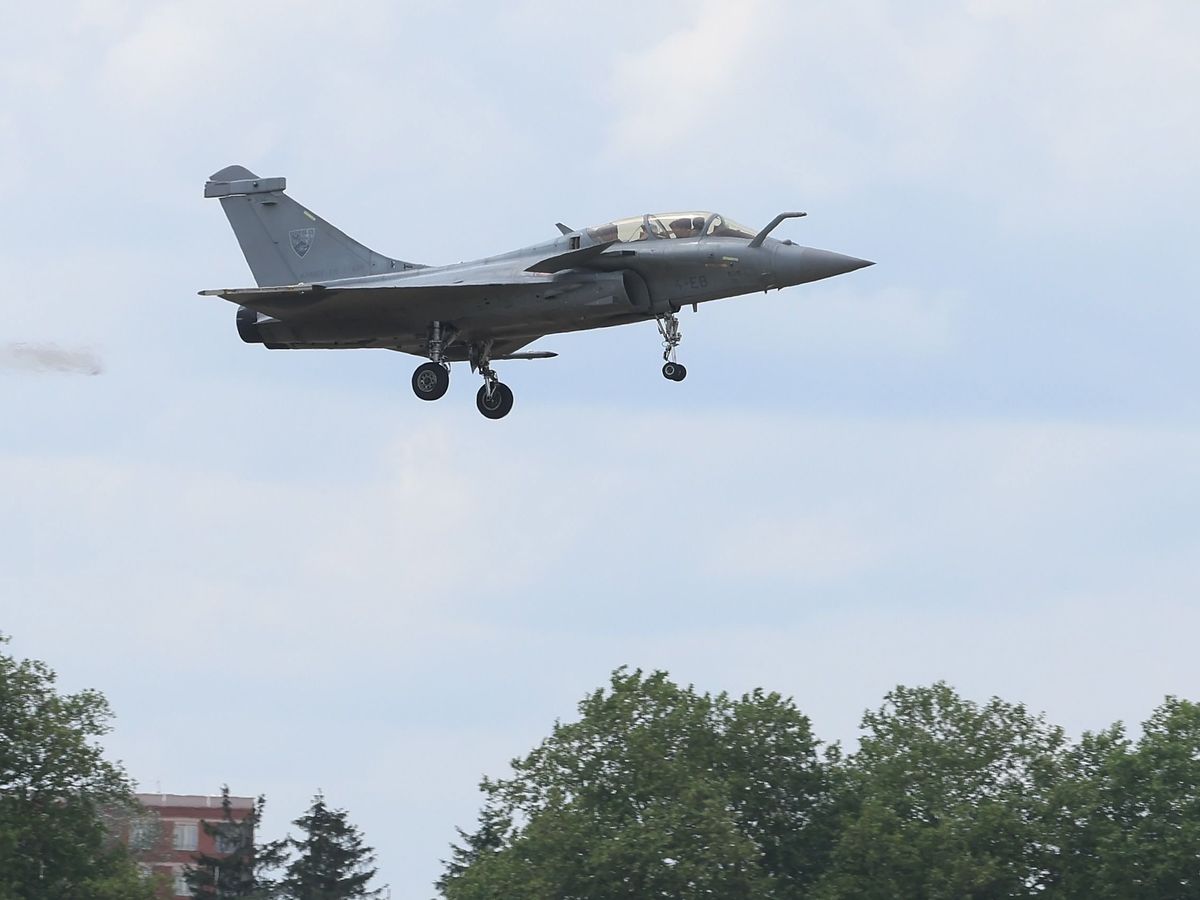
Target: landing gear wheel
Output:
[(674, 371), (498, 403), (430, 381)]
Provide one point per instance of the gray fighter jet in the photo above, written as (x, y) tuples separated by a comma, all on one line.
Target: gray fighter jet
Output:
[(319, 289)]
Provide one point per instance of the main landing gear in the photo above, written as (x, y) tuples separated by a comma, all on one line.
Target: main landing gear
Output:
[(668, 327), (494, 399), (431, 380)]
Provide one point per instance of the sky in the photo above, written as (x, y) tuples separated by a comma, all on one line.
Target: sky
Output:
[(977, 460)]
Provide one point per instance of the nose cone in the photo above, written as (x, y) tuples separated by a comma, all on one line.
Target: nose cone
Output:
[(800, 265)]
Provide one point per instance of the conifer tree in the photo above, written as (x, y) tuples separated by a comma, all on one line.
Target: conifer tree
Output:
[(332, 862), (495, 830), (237, 870)]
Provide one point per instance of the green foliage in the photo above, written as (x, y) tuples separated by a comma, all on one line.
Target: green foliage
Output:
[(1130, 814), (1161, 813), (56, 790), (946, 799), (655, 791), (239, 869), (332, 862)]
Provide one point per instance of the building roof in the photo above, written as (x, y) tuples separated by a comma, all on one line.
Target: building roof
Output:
[(194, 801)]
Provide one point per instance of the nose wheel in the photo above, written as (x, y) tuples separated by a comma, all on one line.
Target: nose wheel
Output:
[(668, 327), (674, 371)]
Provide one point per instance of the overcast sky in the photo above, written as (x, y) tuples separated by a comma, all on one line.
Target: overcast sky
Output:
[(978, 460)]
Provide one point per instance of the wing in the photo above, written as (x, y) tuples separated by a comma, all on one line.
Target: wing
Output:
[(395, 312), (506, 348), (571, 258), (394, 317), (310, 301)]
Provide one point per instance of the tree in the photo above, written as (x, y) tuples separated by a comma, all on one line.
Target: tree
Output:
[(332, 861), (655, 791), (947, 799), (238, 869), (477, 846), (56, 790), (1129, 817), (1085, 819)]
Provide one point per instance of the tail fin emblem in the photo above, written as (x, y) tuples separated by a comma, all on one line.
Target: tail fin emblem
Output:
[(302, 239)]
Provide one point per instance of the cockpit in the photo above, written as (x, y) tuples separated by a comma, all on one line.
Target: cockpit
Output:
[(668, 226)]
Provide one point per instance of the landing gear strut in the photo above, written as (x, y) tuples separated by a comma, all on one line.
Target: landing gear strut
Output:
[(495, 399), (668, 327), (432, 379)]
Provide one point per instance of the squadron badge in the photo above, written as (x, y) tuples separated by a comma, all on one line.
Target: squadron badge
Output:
[(302, 239)]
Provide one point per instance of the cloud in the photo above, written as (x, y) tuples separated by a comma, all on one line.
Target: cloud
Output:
[(1059, 108), (50, 358), (12, 163), (166, 56), (667, 90), (1086, 661), (844, 319), (802, 548), (881, 512)]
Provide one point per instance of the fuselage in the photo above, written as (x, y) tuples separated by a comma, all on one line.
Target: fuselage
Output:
[(626, 281)]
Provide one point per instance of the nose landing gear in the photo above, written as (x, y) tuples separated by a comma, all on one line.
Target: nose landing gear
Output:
[(674, 371), (668, 327)]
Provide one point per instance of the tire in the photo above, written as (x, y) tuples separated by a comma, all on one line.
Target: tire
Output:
[(680, 372), (497, 406), (430, 381), (669, 370)]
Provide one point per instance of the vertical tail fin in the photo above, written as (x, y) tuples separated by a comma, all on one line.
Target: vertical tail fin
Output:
[(282, 241)]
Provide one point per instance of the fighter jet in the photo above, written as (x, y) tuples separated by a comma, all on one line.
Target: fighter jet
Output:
[(319, 289)]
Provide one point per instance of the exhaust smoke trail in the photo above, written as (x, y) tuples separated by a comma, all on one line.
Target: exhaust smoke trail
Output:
[(49, 358)]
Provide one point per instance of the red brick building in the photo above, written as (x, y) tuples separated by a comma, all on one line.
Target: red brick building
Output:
[(168, 838)]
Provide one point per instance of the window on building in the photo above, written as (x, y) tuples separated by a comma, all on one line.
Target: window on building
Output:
[(185, 835), (143, 833), (181, 886)]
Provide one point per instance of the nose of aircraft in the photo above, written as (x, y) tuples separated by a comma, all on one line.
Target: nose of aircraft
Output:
[(798, 265)]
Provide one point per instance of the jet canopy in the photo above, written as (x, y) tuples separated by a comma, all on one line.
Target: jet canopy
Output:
[(668, 226)]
